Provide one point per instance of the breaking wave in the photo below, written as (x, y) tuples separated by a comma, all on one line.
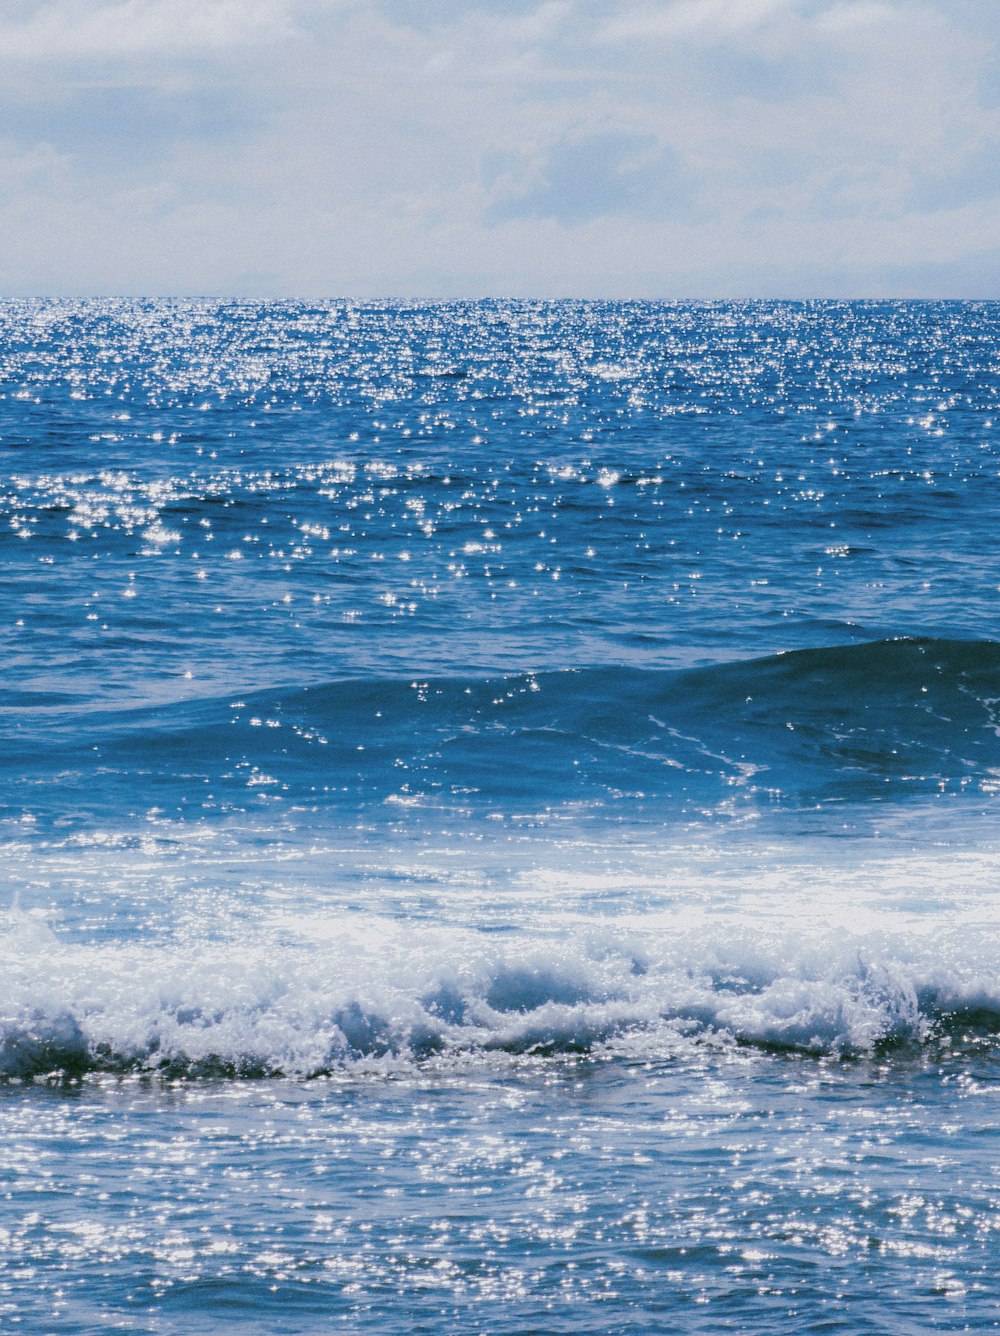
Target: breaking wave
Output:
[(312, 997)]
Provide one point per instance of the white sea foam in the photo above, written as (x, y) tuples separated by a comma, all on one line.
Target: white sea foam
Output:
[(310, 994)]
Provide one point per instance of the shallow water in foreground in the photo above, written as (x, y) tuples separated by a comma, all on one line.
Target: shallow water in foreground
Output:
[(696, 1191), (499, 817)]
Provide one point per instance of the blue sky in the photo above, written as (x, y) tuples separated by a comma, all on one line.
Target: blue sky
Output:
[(600, 148)]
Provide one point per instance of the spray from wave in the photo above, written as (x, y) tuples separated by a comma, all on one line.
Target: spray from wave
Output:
[(304, 998)]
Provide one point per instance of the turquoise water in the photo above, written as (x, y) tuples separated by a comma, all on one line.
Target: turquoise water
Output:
[(499, 817)]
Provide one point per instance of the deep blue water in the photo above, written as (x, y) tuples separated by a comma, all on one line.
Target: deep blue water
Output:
[(499, 815)]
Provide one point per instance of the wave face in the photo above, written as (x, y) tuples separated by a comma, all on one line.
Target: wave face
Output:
[(876, 723)]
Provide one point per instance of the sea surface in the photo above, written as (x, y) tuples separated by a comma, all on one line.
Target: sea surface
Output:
[(499, 817)]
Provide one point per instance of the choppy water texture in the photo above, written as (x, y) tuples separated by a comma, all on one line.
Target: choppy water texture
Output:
[(499, 817)]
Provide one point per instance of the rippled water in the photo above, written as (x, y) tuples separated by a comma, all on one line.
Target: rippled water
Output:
[(499, 817)]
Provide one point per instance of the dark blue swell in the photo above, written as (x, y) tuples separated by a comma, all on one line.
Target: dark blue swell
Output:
[(881, 722)]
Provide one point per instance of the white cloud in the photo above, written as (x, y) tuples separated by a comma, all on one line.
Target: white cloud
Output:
[(715, 19), (859, 14), (77, 29)]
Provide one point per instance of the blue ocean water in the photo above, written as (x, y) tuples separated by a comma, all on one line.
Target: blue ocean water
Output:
[(499, 817)]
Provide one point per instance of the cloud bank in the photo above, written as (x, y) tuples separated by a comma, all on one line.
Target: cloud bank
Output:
[(680, 148)]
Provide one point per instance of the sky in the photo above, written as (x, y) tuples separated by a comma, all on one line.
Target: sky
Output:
[(468, 148)]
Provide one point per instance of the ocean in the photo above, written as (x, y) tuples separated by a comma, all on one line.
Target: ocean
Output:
[(499, 817)]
